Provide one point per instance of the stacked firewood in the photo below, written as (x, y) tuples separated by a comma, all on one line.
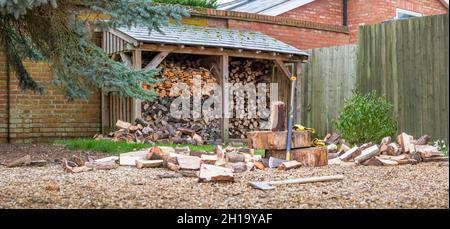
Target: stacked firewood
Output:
[(242, 72), (181, 69), (406, 150), (157, 114)]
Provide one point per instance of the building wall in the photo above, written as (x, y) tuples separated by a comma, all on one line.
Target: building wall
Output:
[(322, 11), (42, 118), (302, 38), (362, 12)]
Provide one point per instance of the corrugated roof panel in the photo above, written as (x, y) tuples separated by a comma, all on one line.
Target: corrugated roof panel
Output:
[(212, 37)]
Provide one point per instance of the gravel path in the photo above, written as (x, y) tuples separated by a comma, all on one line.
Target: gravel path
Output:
[(411, 186)]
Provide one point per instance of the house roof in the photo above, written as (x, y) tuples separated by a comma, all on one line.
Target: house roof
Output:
[(210, 37), (266, 7)]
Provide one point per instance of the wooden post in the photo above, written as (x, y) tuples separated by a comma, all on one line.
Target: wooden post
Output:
[(136, 104), (225, 98), (298, 101), (105, 111)]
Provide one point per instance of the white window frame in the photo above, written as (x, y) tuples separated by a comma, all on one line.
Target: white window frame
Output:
[(402, 11)]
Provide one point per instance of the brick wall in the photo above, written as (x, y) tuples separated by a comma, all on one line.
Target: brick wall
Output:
[(363, 12), (41, 118), (302, 38), (323, 11)]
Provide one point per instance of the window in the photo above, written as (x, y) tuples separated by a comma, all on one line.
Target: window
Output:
[(405, 14)]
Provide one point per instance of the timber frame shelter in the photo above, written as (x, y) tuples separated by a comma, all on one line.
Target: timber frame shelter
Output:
[(215, 43)]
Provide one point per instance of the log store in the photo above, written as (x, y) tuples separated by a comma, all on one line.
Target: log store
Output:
[(218, 55)]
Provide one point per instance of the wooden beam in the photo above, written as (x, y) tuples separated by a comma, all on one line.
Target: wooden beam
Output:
[(280, 64), (216, 52), (224, 70), (126, 59), (136, 103), (157, 60)]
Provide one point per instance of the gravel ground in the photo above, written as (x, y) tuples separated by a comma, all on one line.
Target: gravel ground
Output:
[(411, 186)]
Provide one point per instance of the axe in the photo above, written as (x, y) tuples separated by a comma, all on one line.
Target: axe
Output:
[(269, 185)]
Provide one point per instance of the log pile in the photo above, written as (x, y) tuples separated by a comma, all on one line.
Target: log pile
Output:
[(405, 150), (218, 166), (149, 132), (180, 69), (242, 72)]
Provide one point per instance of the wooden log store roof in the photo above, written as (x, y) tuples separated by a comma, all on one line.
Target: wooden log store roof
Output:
[(201, 40)]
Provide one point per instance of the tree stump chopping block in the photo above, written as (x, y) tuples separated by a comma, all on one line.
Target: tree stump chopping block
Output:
[(276, 140), (310, 157)]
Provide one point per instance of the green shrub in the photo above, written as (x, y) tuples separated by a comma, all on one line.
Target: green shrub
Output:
[(366, 118)]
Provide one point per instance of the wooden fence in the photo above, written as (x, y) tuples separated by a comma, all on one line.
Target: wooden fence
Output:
[(327, 80), (405, 61)]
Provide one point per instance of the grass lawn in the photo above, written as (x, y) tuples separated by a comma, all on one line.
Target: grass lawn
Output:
[(116, 148)]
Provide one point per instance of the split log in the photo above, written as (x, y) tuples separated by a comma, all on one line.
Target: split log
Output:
[(259, 165), (277, 140), (234, 157), (335, 161), (374, 161), (209, 173), (387, 162), (427, 151), (140, 163), (289, 165), (343, 149), (173, 166), (333, 139), (78, 160), (367, 154), (189, 162), (123, 125), (107, 165), (238, 167), (128, 160), (386, 141), (393, 149), (141, 122), (38, 163), (423, 140), (108, 159), (275, 162), (310, 157), (198, 139), (349, 154), (435, 159), (404, 140), (183, 150), (277, 121), (186, 131), (208, 159), (332, 148), (23, 161)]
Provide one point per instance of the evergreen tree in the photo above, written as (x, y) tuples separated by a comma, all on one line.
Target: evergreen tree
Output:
[(59, 32)]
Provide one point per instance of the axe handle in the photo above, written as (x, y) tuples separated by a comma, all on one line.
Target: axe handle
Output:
[(306, 180)]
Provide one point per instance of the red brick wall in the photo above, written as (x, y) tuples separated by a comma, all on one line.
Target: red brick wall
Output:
[(322, 11), (40, 118), (302, 38), (363, 12)]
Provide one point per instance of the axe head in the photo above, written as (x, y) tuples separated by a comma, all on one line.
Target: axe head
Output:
[(261, 185)]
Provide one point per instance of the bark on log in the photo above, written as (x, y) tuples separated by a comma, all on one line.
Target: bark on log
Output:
[(289, 165), (234, 157), (210, 173), (423, 140), (277, 140), (23, 161), (367, 154), (310, 157)]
